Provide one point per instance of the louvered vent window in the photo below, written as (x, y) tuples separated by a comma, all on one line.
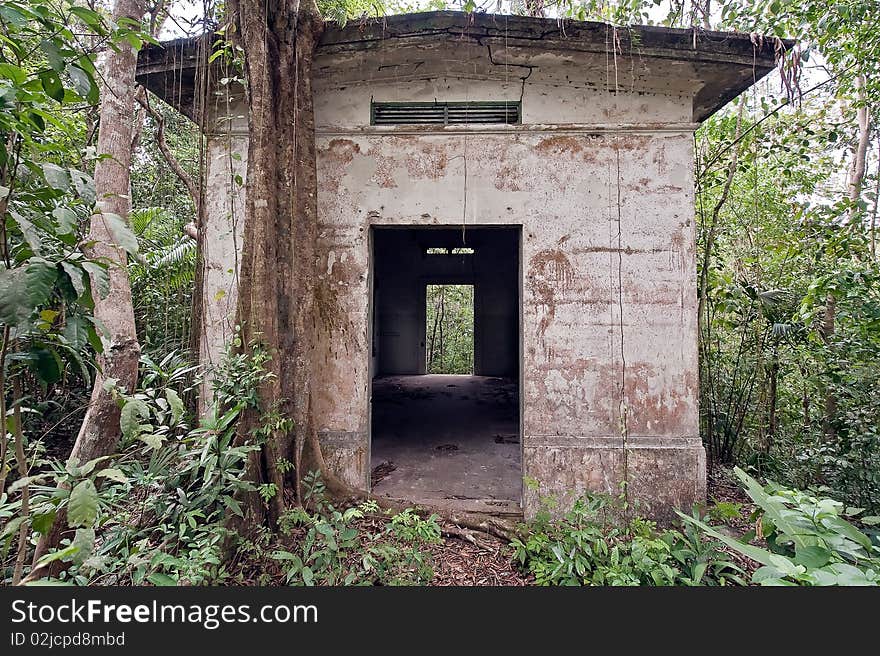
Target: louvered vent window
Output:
[(448, 113)]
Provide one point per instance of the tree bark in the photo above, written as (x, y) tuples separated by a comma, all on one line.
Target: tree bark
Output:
[(860, 157), (99, 433), (276, 299)]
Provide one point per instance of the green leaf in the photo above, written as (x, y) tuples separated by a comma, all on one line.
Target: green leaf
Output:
[(99, 277), (13, 73), (82, 509), (12, 527), (130, 418), (160, 579), (755, 553), (76, 277), (46, 363), (121, 232), (30, 232), (775, 509), (175, 403), (812, 557), (14, 304), (53, 55), (56, 176), (113, 474), (52, 85), (67, 219), (63, 554), (84, 185), (82, 82), (42, 522), (76, 332), (151, 440), (40, 276), (84, 541)]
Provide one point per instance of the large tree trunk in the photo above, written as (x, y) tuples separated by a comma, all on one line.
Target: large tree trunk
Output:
[(99, 433), (276, 297)]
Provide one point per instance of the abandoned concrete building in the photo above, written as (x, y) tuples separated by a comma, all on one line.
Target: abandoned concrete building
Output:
[(548, 165)]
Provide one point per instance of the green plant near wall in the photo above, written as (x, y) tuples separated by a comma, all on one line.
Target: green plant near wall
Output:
[(587, 546), (332, 548), (809, 541)]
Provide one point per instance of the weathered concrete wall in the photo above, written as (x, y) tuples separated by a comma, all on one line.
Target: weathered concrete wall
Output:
[(223, 225), (600, 178)]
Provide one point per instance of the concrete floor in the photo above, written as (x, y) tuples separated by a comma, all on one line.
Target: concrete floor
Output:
[(448, 440)]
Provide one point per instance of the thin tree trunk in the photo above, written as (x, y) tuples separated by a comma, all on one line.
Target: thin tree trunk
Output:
[(857, 170), (772, 402), (703, 322), (433, 335), (21, 461), (99, 433), (873, 227), (855, 183), (827, 334)]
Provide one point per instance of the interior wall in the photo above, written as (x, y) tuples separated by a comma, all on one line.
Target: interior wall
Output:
[(403, 269)]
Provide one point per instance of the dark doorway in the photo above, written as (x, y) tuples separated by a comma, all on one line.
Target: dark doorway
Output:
[(445, 424)]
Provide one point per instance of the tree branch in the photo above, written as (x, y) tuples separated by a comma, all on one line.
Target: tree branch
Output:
[(191, 185)]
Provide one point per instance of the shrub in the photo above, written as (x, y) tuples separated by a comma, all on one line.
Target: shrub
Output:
[(808, 540), (585, 547)]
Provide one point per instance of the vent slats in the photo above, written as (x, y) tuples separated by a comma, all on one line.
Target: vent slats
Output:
[(450, 113)]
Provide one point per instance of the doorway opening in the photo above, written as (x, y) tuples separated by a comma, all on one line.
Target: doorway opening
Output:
[(449, 329), (445, 362)]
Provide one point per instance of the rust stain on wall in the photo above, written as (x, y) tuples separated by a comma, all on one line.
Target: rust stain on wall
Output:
[(550, 272), (429, 161), (659, 411)]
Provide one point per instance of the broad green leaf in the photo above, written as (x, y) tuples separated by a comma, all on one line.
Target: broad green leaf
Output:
[(121, 232), (53, 55), (67, 219), (76, 332), (99, 277), (113, 474), (76, 277), (151, 440), (42, 522), (89, 467), (56, 176), (175, 403), (774, 508), (160, 579), (62, 554), (130, 418), (52, 85), (46, 363), (13, 73), (82, 509), (847, 530), (84, 541), (82, 82), (755, 553), (29, 230), (813, 557), (12, 527), (14, 304), (84, 185), (40, 276), (26, 480)]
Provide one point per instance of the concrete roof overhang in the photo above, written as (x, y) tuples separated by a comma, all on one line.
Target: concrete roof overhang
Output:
[(712, 67)]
